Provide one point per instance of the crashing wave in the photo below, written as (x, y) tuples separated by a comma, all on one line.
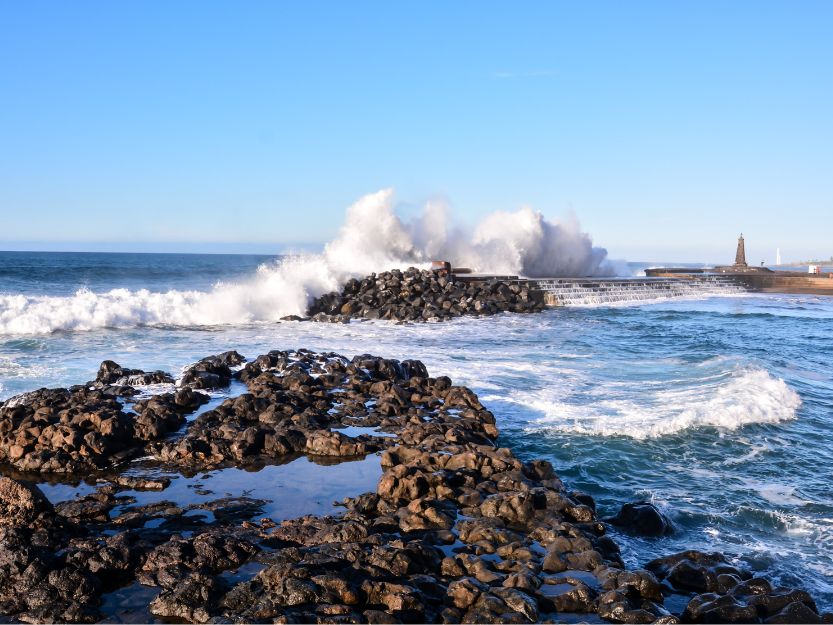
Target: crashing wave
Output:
[(373, 238), (747, 395)]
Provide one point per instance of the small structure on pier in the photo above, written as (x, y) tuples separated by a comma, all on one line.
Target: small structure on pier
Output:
[(740, 254), (740, 265)]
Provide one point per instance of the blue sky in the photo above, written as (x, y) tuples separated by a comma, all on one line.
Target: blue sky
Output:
[(666, 127)]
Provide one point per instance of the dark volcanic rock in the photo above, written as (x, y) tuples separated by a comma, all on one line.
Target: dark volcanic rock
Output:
[(697, 571), (168, 564), (458, 529), (37, 584), (113, 374), (420, 295), (753, 601), (211, 371), (642, 518), (165, 413), (94, 507), (82, 429), (112, 559), (298, 400), (64, 430)]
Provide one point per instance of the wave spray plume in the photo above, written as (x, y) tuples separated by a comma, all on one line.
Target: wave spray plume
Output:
[(372, 238)]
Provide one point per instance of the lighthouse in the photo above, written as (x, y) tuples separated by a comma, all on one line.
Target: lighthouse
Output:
[(740, 254)]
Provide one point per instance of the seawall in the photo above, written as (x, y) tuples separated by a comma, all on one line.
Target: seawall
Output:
[(587, 291), (761, 281)]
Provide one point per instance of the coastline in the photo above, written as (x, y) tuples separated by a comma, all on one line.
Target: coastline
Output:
[(457, 529)]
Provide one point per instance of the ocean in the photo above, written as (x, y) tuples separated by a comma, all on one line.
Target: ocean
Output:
[(718, 409)]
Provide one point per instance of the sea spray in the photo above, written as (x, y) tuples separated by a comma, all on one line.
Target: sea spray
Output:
[(372, 238)]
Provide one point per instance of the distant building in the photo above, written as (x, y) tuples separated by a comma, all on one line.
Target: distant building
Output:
[(740, 254)]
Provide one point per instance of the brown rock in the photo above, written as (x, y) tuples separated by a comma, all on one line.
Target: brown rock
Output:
[(21, 503)]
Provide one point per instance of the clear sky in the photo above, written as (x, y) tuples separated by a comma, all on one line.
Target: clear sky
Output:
[(666, 127)]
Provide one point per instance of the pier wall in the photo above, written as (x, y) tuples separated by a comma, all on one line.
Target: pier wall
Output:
[(589, 291), (766, 281), (808, 283)]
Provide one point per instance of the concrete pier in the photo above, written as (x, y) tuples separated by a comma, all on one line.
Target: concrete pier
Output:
[(761, 281), (590, 291)]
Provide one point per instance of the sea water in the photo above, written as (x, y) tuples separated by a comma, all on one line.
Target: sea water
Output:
[(717, 409)]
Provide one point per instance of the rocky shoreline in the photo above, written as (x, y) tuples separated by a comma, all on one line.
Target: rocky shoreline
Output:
[(422, 295), (458, 530)]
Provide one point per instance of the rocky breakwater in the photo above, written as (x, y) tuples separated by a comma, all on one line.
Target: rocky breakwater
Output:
[(421, 295), (457, 530)]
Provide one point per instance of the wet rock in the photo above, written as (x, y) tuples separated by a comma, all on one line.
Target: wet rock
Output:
[(113, 374), (562, 596), (635, 597), (795, 612), (162, 414), (136, 482), (112, 559), (211, 371), (714, 608), (37, 585), (750, 601), (296, 403), (191, 599), (64, 430), (403, 485), (642, 518), (414, 295), (463, 593), (519, 601), (232, 509), (513, 508), (60, 612), (207, 553), (333, 443), (82, 429), (94, 507), (394, 597), (697, 571), (423, 514)]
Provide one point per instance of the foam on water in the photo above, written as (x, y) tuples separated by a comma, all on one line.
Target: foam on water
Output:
[(746, 395)]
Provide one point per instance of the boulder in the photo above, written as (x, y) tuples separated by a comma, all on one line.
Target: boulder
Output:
[(113, 374), (211, 371), (697, 571), (642, 518), (417, 296)]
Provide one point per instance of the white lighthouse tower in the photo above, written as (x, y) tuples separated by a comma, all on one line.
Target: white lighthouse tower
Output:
[(778, 256)]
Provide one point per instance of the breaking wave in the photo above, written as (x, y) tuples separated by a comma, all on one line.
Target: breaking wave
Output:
[(749, 395), (373, 238)]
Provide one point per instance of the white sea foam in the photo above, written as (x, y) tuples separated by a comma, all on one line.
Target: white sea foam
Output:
[(373, 238), (747, 395), (779, 494)]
